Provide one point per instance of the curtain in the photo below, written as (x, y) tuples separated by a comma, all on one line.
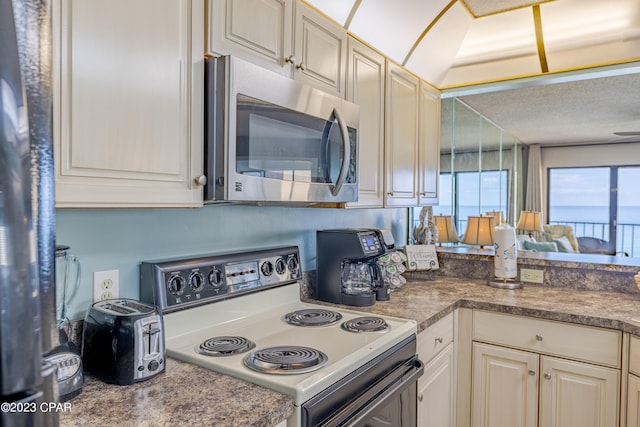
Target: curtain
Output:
[(533, 193)]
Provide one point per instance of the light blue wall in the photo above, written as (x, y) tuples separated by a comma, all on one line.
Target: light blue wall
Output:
[(121, 238)]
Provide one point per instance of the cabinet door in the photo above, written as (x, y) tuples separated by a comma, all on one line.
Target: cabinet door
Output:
[(320, 52), (504, 387), (401, 144), (429, 150), (633, 401), (128, 102), (576, 394), (256, 30), (365, 87), (436, 397)]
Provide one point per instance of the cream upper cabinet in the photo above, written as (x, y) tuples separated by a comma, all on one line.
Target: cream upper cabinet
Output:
[(259, 31), (320, 51), (429, 149), (436, 387), (128, 102), (510, 386), (402, 138), (365, 87), (284, 36)]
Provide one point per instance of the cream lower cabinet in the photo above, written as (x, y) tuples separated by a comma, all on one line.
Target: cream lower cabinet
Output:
[(633, 383), (128, 102), (436, 387), (524, 375)]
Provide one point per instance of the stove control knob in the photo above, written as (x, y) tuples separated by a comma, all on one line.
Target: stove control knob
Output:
[(196, 281), (267, 268), (292, 263), (215, 277), (176, 285), (281, 266)]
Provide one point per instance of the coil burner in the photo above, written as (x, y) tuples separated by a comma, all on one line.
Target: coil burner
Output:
[(312, 317), (225, 346), (286, 360), (365, 324)]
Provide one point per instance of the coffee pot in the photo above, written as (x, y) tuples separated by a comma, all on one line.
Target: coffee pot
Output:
[(67, 281), (347, 272)]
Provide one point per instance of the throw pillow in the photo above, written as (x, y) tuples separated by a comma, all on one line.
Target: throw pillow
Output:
[(564, 245), (541, 246)]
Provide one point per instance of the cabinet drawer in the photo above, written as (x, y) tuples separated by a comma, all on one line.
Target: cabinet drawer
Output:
[(634, 355), (589, 344), (436, 337)]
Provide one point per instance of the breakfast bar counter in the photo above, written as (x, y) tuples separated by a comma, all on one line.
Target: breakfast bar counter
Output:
[(184, 394)]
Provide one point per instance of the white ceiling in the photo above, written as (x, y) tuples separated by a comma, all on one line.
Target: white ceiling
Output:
[(459, 45)]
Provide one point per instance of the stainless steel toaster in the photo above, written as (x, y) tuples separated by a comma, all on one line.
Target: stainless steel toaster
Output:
[(123, 341)]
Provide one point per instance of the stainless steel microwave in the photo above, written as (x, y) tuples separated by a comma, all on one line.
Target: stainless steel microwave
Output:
[(272, 139)]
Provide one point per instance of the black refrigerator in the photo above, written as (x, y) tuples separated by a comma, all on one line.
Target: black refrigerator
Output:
[(27, 216)]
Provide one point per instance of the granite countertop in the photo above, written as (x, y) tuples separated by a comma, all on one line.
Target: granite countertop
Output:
[(187, 392), (183, 394), (427, 301)]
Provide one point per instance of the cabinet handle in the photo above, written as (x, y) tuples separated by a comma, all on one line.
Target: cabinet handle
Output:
[(201, 180), (439, 340), (547, 376), (420, 397), (532, 373), (539, 337)]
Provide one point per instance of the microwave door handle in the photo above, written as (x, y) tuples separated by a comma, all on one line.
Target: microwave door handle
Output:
[(346, 153)]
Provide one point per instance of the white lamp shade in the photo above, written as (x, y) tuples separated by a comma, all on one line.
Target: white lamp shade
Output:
[(479, 231), (446, 229), (529, 221), (498, 215)]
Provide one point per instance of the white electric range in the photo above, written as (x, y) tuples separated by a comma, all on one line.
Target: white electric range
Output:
[(241, 315)]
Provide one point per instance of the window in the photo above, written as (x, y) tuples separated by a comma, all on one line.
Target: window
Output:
[(475, 193), (601, 202)]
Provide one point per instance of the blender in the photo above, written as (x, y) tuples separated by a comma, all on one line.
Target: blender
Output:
[(66, 356)]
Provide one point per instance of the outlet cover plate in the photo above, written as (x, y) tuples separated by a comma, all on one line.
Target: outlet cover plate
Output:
[(532, 276), (106, 285)]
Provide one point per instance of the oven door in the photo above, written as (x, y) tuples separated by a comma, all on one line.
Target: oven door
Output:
[(381, 393)]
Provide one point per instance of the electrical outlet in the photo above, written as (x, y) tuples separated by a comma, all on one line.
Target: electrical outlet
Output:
[(106, 284), (531, 276)]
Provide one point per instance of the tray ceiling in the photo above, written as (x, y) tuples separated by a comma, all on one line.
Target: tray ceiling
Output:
[(453, 43), (461, 45)]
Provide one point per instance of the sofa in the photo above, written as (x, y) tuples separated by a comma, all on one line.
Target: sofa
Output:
[(552, 238)]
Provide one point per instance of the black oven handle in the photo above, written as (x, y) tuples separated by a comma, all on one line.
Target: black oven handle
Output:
[(401, 378), (346, 153)]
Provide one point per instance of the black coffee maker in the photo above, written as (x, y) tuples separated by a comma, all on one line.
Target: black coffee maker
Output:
[(347, 272)]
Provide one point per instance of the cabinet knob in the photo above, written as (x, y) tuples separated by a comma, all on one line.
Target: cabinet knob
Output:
[(301, 66), (291, 59), (201, 180), (439, 340), (420, 397), (539, 337), (547, 376), (532, 373)]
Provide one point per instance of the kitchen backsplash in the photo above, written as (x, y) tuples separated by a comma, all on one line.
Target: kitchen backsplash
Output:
[(108, 239)]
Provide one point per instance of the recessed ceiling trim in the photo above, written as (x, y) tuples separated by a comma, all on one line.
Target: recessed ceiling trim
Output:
[(542, 54), (480, 8), (354, 9), (426, 30)]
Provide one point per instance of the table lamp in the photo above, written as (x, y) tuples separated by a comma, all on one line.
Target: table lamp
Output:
[(479, 231), (447, 232), (529, 221)]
